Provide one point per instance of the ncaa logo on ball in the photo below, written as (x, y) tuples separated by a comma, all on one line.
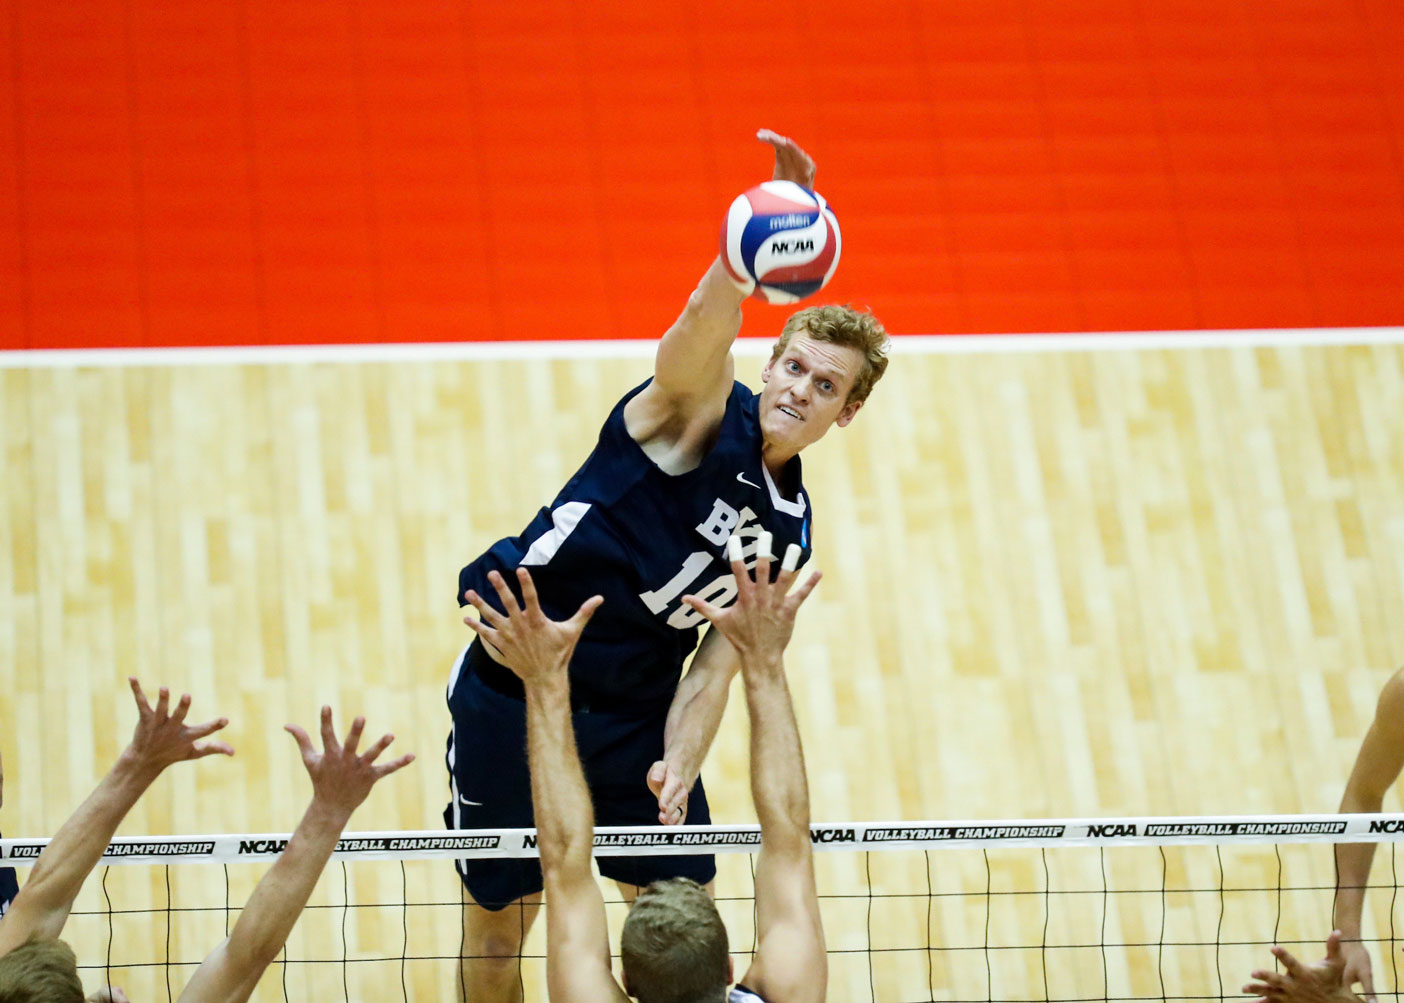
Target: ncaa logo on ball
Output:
[(784, 238)]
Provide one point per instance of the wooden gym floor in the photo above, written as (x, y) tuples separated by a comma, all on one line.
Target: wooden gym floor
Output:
[(1063, 584)]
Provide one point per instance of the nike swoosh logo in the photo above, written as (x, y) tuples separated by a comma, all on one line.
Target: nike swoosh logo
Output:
[(742, 479), (473, 804)]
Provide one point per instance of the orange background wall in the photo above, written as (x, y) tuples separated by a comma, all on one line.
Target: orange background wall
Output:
[(419, 170)]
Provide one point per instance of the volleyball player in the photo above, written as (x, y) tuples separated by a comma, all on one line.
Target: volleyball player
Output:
[(673, 945), (35, 964), (685, 461), (1377, 767)]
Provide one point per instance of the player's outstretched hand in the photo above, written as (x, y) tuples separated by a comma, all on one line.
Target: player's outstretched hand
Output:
[(532, 645), (791, 162), (760, 622), (162, 737), (340, 778), (1301, 983)]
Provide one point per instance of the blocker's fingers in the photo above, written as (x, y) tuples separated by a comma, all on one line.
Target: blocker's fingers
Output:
[(208, 728), (329, 742), (182, 708), (799, 595), (705, 608), (380, 745), (485, 610), (586, 610), (763, 557), (509, 601), (482, 630), (353, 737), (143, 704), (792, 557), (734, 555), (395, 764), (303, 740), (163, 703), (213, 749), (529, 598)]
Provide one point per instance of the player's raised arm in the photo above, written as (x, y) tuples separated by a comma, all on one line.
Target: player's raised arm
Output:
[(161, 738), (538, 650), (341, 779), (790, 964), (693, 369), (1377, 766)]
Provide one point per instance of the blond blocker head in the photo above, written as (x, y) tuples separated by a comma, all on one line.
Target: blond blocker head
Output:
[(674, 946), (40, 971)]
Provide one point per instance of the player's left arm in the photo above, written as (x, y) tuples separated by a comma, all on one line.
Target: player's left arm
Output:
[(693, 719), (538, 650), (161, 738)]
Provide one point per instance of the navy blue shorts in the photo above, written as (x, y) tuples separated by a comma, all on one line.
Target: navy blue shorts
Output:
[(490, 787)]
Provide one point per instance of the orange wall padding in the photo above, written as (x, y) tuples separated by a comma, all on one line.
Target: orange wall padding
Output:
[(256, 172)]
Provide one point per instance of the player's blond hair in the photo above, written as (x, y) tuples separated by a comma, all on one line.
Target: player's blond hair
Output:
[(674, 945), (40, 971), (843, 325)]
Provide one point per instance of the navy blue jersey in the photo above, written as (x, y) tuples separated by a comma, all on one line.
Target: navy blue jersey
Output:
[(642, 538)]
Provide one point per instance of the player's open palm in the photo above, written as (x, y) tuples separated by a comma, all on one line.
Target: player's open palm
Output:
[(760, 622), (341, 775), (162, 737), (531, 644)]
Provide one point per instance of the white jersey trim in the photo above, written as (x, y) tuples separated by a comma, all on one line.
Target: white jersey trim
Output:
[(566, 517), (781, 503)]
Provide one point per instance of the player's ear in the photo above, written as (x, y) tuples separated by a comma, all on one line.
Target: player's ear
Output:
[(846, 415), (765, 373)]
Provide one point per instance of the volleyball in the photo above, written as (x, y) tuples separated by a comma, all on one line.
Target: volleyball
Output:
[(784, 238)]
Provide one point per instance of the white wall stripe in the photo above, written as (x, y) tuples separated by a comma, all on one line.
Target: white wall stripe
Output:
[(951, 344)]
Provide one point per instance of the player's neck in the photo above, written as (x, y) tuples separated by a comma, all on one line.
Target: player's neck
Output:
[(776, 459)]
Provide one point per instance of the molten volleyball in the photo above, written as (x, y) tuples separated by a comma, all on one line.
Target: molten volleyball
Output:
[(784, 238)]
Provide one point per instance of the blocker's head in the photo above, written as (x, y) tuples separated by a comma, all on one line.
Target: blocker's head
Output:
[(40, 971), (674, 945)]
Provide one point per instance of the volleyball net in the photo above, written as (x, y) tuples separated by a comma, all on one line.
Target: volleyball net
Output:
[(1062, 910)]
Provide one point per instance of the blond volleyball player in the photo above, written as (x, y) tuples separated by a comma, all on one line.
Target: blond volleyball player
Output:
[(674, 945), (36, 965)]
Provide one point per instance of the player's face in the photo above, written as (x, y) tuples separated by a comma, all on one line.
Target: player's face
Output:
[(806, 391)]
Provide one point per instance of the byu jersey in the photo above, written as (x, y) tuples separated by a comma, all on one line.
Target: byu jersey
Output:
[(642, 538)]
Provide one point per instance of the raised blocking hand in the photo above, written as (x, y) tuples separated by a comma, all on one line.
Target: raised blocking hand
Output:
[(162, 737), (760, 622), (341, 779), (531, 644)]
